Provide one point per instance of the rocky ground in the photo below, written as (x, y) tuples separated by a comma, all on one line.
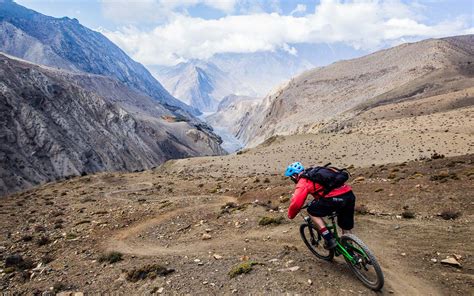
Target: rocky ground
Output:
[(177, 231)]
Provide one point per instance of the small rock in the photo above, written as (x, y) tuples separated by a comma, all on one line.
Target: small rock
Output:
[(310, 282), (294, 268), (397, 226), (451, 261), (458, 257), (206, 236), (244, 258), (78, 294), (160, 290), (197, 260), (434, 260), (217, 256), (359, 179), (234, 291), (403, 254)]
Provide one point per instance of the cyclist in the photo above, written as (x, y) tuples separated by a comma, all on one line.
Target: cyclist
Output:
[(340, 200)]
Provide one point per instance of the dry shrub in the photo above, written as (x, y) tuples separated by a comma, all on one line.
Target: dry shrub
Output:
[(111, 257), (266, 220), (407, 214), (148, 271), (449, 214)]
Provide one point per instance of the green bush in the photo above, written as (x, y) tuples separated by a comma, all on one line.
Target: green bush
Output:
[(241, 268)]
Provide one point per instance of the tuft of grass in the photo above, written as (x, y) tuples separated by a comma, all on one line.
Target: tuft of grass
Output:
[(150, 271), (407, 214), (111, 257), (71, 236), (241, 268), (266, 220), (450, 214), (444, 176)]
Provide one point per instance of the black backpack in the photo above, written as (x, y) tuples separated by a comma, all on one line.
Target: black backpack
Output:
[(328, 177)]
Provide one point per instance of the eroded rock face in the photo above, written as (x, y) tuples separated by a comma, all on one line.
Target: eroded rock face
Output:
[(56, 124)]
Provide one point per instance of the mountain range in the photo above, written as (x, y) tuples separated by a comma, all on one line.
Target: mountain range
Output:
[(199, 84), (66, 44), (73, 103), (204, 83), (337, 96)]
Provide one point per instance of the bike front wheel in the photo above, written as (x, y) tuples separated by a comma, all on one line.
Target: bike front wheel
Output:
[(315, 243), (366, 267)]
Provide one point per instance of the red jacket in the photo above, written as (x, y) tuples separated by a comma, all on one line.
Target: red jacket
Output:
[(305, 187)]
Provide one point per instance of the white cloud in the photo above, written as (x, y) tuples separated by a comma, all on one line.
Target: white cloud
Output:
[(361, 24), (156, 10), (300, 8)]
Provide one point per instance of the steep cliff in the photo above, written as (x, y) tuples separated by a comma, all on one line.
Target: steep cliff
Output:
[(56, 124)]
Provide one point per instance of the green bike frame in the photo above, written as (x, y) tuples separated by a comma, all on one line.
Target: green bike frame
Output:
[(340, 250)]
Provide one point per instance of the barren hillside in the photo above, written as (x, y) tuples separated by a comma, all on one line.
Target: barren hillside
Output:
[(326, 98), (184, 232)]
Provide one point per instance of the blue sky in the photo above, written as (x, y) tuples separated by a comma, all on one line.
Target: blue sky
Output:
[(164, 32)]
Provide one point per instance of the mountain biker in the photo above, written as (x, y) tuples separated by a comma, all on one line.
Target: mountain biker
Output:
[(340, 200)]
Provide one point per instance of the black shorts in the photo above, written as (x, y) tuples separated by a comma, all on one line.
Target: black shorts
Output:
[(343, 205)]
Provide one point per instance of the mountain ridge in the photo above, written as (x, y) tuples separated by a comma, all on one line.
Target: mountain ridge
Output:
[(321, 98), (84, 49), (58, 124)]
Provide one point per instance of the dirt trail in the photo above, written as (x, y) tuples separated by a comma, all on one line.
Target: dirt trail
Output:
[(399, 279), (126, 241)]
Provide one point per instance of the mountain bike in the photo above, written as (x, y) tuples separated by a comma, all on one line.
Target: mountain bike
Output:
[(357, 255)]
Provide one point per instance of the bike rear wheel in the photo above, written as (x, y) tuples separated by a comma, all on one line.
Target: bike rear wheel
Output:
[(367, 269), (315, 243)]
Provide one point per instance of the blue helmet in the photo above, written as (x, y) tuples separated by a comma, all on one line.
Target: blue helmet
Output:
[(294, 168)]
